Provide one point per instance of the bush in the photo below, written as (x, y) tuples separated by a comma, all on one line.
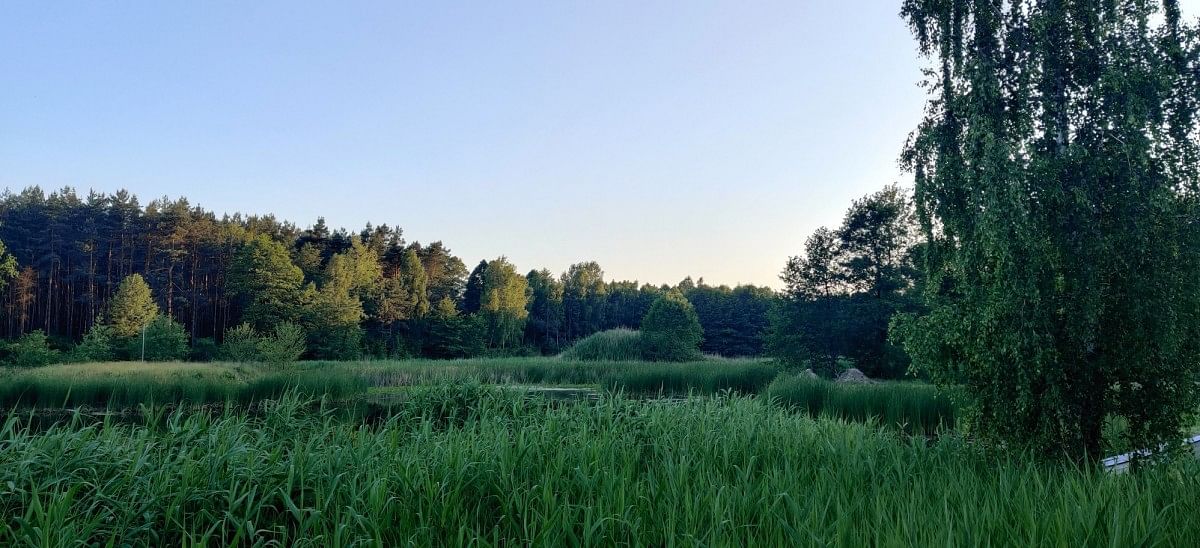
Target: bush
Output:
[(285, 345), (165, 340), (98, 345), (612, 345), (241, 344), (204, 349), (671, 330), (31, 350)]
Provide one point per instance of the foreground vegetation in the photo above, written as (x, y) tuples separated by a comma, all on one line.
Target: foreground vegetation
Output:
[(487, 468), (912, 406)]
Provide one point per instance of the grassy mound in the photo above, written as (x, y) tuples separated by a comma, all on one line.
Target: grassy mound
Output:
[(612, 345)]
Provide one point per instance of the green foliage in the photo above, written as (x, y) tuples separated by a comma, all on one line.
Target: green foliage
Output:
[(8, 266), (30, 350), (165, 340), (334, 314), (584, 295), (266, 282), (460, 462), (671, 330), (447, 334), (416, 282), (544, 326), (841, 295), (132, 307), (612, 345), (98, 344), (211, 272), (734, 321), (240, 344), (708, 377), (204, 349), (285, 344), (917, 408), (123, 385), (1056, 179), (473, 296), (502, 304)]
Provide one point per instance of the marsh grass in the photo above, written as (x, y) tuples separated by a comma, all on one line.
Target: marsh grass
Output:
[(704, 376), (916, 407), (707, 377), (124, 384), (489, 469)]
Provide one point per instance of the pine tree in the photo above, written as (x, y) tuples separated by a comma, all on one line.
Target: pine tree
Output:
[(132, 307), (414, 275), (266, 282), (473, 295)]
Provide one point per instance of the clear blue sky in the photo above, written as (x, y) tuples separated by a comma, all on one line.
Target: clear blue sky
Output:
[(659, 138)]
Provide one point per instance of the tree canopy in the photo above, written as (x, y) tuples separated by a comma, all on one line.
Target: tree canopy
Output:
[(1056, 187)]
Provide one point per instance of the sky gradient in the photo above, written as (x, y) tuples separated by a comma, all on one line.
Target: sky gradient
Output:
[(661, 139)]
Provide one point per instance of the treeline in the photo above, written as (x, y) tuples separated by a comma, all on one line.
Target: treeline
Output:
[(355, 294)]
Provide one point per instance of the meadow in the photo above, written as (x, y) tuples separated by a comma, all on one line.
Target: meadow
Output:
[(491, 468), (713, 452)]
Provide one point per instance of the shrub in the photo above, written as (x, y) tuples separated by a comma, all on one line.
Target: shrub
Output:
[(671, 330), (98, 345), (241, 344), (612, 345), (204, 349), (31, 350), (165, 340), (284, 345)]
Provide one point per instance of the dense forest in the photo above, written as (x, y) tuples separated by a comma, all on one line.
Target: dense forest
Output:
[(357, 294), (372, 294)]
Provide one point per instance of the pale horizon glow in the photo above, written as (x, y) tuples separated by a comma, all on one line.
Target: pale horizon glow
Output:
[(660, 139)]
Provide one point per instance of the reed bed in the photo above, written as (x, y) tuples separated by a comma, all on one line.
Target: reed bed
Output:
[(126, 384), (490, 469), (748, 375), (710, 377), (914, 407)]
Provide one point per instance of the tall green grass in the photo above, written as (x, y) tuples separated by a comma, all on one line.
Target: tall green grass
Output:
[(612, 345), (744, 376), (713, 471), (129, 384), (913, 406)]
